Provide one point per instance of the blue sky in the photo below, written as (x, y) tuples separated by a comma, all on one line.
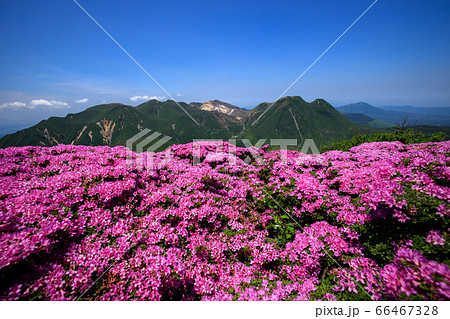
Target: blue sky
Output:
[(243, 52)]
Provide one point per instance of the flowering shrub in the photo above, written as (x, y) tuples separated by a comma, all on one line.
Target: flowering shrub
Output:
[(203, 222)]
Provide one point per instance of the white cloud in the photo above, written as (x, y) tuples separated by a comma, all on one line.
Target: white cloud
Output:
[(157, 97), (179, 95), (50, 104), (41, 102), (137, 98), (12, 105), (82, 101)]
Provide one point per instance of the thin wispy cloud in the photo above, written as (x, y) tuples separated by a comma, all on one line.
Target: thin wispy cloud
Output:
[(138, 98), (82, 101), (34, 104), (49, 104), (12, 105)]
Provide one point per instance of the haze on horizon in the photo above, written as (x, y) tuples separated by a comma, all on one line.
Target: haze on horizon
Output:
[(54, 60)]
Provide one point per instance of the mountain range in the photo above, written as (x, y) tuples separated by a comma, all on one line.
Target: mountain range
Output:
[(288, 118), (113, 124), (395, 115)]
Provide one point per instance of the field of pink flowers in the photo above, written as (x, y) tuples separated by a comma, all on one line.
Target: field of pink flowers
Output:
[(371, 223)]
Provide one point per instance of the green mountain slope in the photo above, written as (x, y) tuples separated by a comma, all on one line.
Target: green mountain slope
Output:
[(294, 118), (107, 124), (113, 124), (167, 117), (365, 120)]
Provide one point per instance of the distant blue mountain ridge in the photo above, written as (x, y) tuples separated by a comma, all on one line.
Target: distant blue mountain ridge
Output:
[(440, 111), (432, 116)]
